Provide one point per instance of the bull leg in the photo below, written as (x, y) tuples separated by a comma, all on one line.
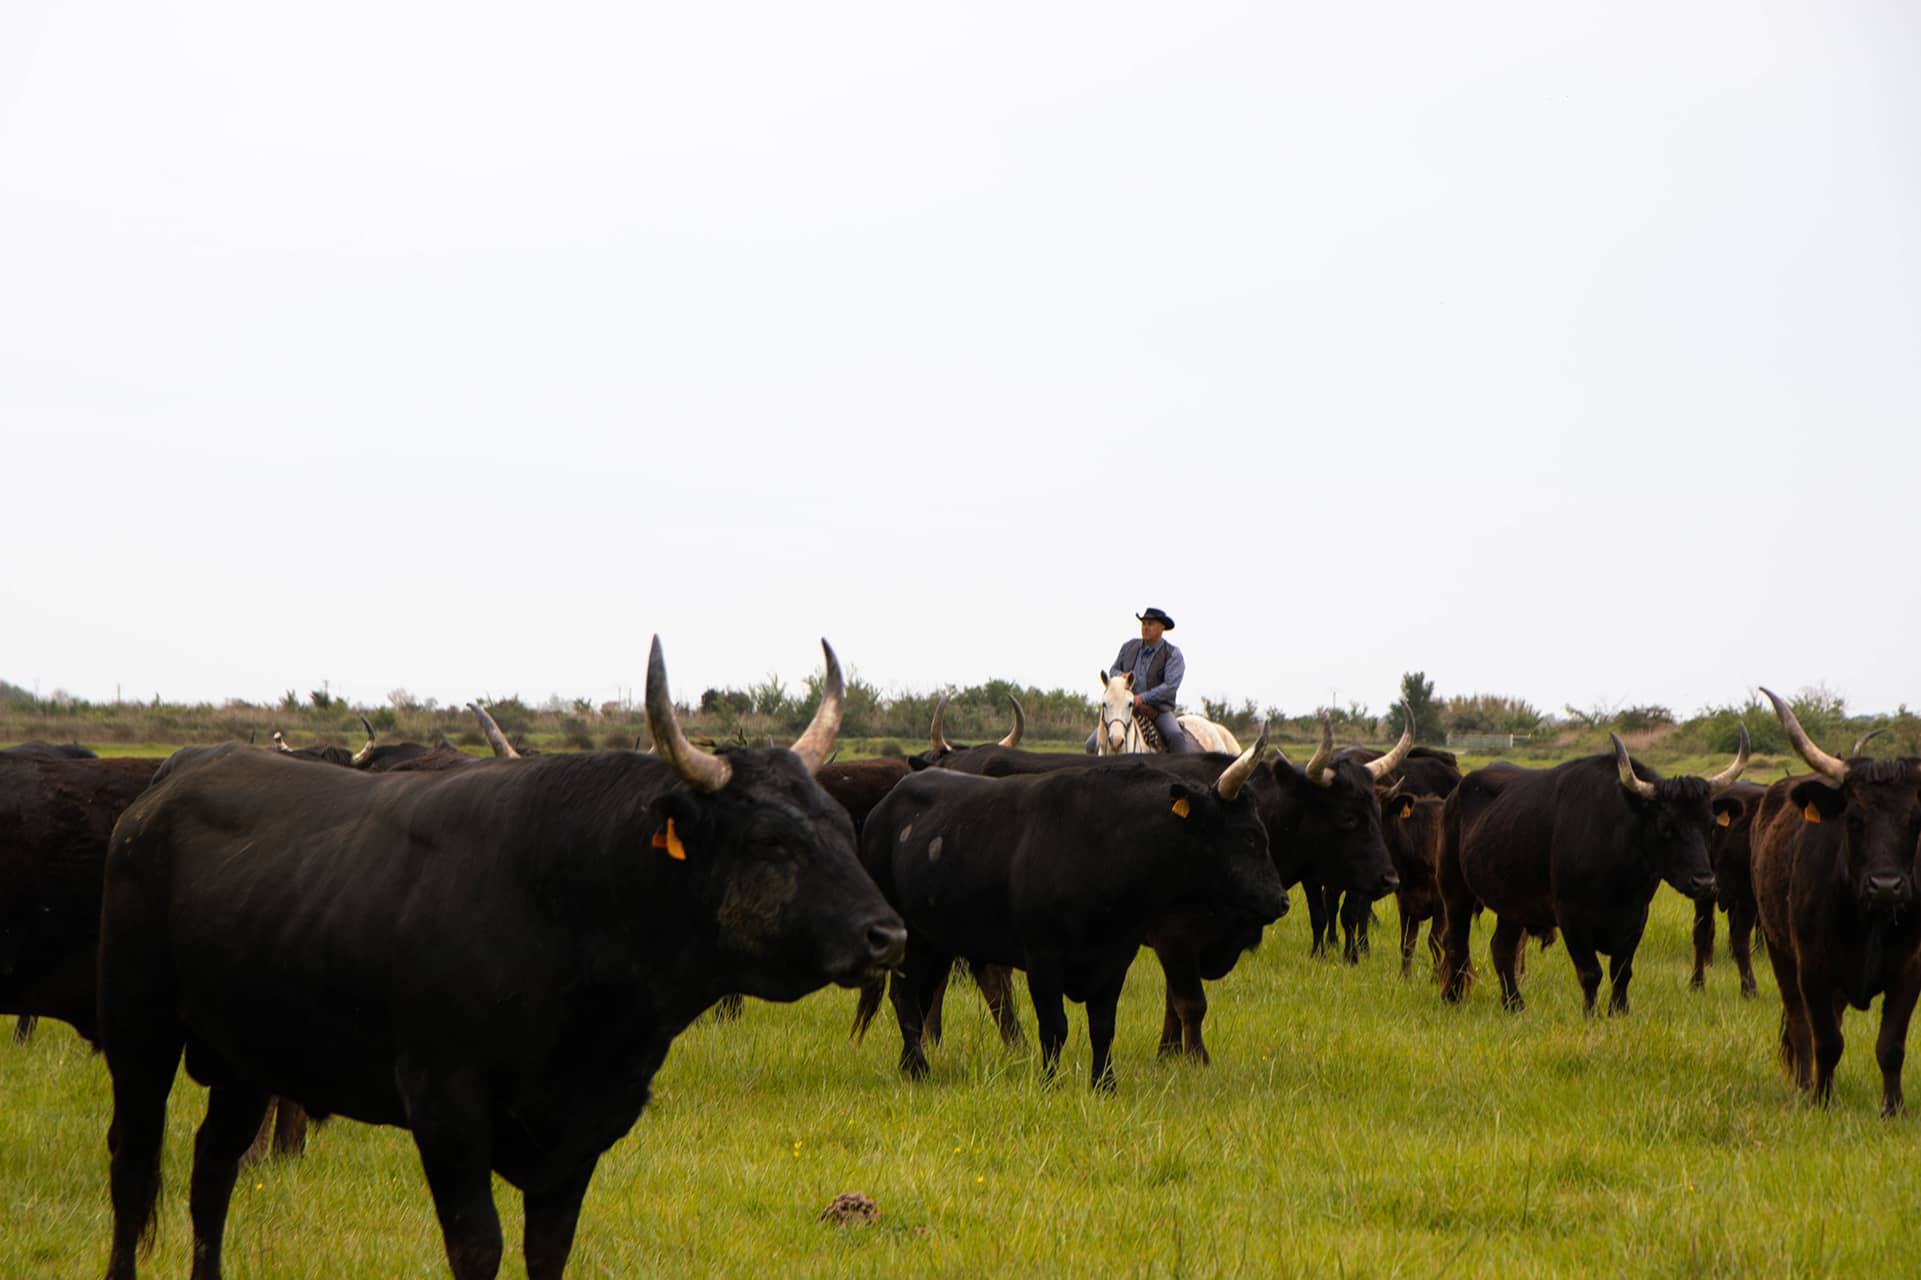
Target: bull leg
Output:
[(1100, 1033), (1317, 922), (1509, 938), (1410, 934), (1044, 988), (449, 1116), (931, 1002), (1823, 1004), (1456, 914), (1587, 967), (1186, 1003), (1433, 946), (1354, 913), (289, 1128), (1703, 941), (1891, 1045), (1797, 1040), (141, 1083), (553, 1213), (996, 983), (1740, 932), (909, 989), (1620, 973), (234, 1115)]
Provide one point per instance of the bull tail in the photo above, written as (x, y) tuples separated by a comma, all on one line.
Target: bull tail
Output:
[(871, 991), (1546, 938)]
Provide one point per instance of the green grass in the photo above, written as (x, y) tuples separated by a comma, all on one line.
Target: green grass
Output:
[(1350, 1125)]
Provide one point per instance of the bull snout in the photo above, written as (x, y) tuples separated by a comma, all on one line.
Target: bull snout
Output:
[(886, 945), (1701, 886), (1387, 884), (1888, 891)]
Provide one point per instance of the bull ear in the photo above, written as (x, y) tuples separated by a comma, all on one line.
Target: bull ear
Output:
[(1183, 797), (673, 817), (1728, 810), (1817, 800)]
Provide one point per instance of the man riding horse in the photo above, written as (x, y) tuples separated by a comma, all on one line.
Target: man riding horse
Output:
[(1152, 668)]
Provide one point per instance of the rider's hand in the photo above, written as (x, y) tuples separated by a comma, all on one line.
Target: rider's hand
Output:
[(1140, 702)]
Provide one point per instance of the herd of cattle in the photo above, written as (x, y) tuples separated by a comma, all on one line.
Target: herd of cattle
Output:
[(495, 953)]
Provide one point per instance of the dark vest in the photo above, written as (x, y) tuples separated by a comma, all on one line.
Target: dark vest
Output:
[(1156, 665)]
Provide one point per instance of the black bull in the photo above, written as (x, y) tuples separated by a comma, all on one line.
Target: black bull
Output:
[(495, 957), (1581, 847), (1835, 877), (1318, 833), (1060, 874)]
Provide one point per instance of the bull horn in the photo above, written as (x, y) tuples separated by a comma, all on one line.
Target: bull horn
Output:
[(1235, 776), (1818, 760), (1020, 724), (495, 738), (941, 746), (699, 769), (360, 756), (1639, 786), (280, 743), (1377, 769), (814, 746), (1723, 780), (1861, 743), (1323, 757)]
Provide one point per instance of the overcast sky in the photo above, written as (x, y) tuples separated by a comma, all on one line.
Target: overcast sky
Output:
[(462, 347)]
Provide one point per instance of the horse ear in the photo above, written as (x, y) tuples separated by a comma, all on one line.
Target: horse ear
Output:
[(1130, 679), (1101, 680)]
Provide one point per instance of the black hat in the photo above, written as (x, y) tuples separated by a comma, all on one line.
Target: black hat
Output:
[(1155, 615)]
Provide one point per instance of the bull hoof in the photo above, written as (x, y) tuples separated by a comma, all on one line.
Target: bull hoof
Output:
[(913, 1064), (1748, 991), (1698, 982), (1169, 1048), (1513, 1003)]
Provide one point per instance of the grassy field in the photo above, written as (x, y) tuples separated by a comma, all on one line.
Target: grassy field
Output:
[(1350, 1125)]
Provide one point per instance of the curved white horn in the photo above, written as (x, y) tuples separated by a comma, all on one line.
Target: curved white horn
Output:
[(941, 745), (280, 743), (495, 738), (1639, 786), (815, 745), (1235, 776), (700, 769), (1020, 724), (360, 756), (1317, 764), (1388, 763), (1818, 760), (1723, 780), (1861, 743)]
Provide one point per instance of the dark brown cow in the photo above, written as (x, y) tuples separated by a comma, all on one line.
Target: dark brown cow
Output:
[(1411, 828), (1426, 771), (1730, 854), (1581, 847), (1834, 877), (55, 818)]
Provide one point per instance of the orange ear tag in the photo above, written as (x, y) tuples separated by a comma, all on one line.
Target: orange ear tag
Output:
[(1407, 808), (1181, 807), (670, 841), (1723, 820), (1811, 813)]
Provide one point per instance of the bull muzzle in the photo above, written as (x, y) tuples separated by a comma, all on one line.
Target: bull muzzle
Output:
[(886, 945), (1885, 892)]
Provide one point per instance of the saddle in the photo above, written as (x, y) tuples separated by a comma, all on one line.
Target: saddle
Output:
[(1151, 732)]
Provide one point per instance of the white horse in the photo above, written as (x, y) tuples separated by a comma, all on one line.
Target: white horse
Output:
[(1120, 733)]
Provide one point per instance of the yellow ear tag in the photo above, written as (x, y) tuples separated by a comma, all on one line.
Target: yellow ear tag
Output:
[(1722, 819), (1181, 807), (1811, 813), (1407, 808), (670, 841)]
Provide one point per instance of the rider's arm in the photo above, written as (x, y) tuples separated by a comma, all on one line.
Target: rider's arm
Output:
[(1164, 693)]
